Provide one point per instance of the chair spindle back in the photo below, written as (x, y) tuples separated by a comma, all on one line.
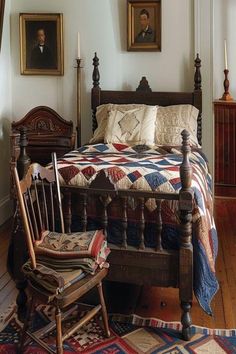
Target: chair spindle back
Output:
[(39, 201)]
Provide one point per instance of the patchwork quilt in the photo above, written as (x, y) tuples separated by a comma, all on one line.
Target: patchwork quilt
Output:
[(155, 168)]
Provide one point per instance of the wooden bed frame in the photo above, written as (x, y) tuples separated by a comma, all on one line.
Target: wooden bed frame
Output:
[(143, 265)]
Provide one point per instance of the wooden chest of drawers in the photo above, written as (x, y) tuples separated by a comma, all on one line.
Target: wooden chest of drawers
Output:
[(225, 148)]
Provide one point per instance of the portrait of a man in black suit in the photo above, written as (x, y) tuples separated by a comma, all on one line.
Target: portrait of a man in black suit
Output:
[(146, 34), (41, 44), (41, 55)]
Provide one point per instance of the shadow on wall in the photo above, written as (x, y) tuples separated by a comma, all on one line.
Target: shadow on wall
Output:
[(186, 73), (15, 47), (120, 26)]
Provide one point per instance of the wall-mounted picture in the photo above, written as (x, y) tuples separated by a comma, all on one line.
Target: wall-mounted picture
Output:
[(144, 25), (41, 44), (2, 6)]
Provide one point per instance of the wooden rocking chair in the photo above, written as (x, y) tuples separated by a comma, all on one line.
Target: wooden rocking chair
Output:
[(40, 205)]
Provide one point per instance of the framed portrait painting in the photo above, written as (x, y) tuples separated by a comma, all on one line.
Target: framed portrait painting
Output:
[(41, 44), (144, 25), (2, 6)]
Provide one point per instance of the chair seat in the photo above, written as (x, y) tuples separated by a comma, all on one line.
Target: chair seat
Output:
[(70, 293), (70, 245)]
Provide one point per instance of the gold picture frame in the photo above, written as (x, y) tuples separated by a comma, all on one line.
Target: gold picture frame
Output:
[(144, 25), (41, 44), (2, 7)]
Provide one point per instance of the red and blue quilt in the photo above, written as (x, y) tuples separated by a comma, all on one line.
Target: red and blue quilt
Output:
[(152, 169)]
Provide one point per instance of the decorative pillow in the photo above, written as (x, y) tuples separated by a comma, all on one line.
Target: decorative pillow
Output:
[(170, 122), (102, 117), (135, 126)]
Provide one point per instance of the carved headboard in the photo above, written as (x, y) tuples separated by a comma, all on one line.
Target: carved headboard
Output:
[(145, 95), (46, 132)]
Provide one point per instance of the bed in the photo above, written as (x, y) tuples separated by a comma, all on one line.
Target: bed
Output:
[(146, 247)]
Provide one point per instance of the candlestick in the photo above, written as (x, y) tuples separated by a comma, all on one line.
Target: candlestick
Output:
[(78, 128), (226, 95), (226, 58), (78, 45)]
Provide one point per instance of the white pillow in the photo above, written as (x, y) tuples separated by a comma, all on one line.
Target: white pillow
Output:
[(170, 122), (102, 117), (135, 126)]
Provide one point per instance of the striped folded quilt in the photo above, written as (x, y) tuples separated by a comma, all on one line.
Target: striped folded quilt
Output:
[(86, 264), (70, 245), (53, 281)]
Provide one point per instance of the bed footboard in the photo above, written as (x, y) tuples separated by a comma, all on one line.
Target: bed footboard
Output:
[(142, 265)]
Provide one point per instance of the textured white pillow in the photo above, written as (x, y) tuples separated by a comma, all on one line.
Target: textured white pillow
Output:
[(172, 120), (135, 126), (102, 117)]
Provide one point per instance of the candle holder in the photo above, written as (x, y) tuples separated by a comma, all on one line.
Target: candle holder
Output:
[(78, 127), (226, 95)]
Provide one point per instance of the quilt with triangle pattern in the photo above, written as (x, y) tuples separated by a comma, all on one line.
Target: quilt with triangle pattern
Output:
[(153, 168)]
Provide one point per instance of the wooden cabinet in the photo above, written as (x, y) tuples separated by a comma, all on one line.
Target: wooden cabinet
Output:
[(225, 148)]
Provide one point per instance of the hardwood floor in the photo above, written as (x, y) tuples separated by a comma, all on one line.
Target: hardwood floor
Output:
[(162, 302), (8, 290)]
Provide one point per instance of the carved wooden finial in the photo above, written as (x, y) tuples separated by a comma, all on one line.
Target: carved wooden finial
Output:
[(143, 85), (197, 76), (23, 142), (186, 167), (96, 74), (23, 161)]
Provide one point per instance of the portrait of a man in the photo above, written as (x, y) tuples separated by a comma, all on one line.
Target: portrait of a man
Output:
[(41, 44), (41, 54), (144, 25), (146, 34)]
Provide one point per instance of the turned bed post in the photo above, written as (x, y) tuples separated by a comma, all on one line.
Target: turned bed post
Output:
[(96, 90), (186, 248), (197, 96), (23, 160), (18, 235)]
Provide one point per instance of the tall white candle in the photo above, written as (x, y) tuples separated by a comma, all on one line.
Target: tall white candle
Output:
[(78, 45), (226, 58)]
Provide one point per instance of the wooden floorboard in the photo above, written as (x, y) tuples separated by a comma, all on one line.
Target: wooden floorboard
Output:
[(8, 290), (161, 302)]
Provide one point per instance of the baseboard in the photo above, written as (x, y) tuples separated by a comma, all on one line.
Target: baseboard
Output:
[(6, 209)]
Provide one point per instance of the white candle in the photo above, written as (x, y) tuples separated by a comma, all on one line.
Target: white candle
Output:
[(78, 46), (226, 59)]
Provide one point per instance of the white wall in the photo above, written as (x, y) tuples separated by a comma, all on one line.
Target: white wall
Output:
[(102, 27), (5, 116), (204, 46)]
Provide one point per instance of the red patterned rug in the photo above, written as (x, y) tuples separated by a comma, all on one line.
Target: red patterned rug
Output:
[(129, 335)]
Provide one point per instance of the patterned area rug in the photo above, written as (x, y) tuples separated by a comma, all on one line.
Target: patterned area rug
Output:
[(129, 335)]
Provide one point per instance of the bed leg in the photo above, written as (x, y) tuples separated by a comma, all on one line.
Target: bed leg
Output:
[(186, 249), (186, 320)]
